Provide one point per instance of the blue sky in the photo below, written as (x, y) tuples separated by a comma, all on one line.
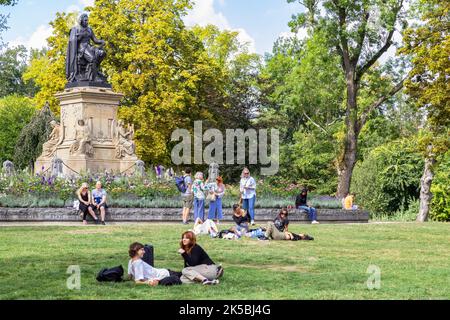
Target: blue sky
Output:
[(260, 22)]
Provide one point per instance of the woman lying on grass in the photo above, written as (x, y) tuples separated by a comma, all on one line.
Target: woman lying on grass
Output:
[(143, 273), (278, 229), (198, 266)]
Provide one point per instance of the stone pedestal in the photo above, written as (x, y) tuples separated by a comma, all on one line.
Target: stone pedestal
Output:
[(90, 136)]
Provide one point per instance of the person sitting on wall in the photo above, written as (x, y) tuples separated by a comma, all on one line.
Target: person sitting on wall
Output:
[(99, 200), (301, 203)]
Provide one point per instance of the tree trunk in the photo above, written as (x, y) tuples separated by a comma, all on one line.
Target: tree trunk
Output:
[(425, 189), (348, 160)]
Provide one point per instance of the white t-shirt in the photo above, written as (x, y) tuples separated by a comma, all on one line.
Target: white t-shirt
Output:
[(248, 182), (140, 270)]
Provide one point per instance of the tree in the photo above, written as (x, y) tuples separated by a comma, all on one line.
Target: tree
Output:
[(15, 113), (4, 18), (302, 88), (13, 63), (428, 45), (358, 32), (33, 135), (46, 68)]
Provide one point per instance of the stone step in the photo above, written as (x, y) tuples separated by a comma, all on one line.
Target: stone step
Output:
[(174, 214)]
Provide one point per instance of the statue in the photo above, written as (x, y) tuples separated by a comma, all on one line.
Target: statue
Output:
[(57, 167), (82, 145), (8, 168), (213, 172), (83, 59), (55, 139), (124, 145), (140, 168)]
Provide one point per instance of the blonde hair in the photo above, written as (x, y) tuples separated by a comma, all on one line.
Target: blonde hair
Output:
[(243, 170), (83, 186), (198, 175)]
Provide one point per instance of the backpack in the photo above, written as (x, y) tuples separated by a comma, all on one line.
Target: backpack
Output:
[(112, 274), (148, 255), (179, 181)]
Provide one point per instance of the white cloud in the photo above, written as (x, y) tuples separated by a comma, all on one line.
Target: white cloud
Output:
[(203, 13), (301, 34), (73, 8), (86, 2), (37, 40)]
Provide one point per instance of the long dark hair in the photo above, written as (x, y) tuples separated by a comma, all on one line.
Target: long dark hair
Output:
[(191, 236), (283, 210)]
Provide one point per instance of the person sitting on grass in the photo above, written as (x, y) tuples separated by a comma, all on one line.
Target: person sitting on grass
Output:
[(143, 273), (84, 196), (99, 200), (198, 266), (278, 229), (240, 218)]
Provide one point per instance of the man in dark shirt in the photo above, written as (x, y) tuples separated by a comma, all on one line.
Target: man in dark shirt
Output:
[(301, 203)]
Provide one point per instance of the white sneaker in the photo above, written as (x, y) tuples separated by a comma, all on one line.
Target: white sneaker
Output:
[(314, 222), (210, 282), (252, 223)]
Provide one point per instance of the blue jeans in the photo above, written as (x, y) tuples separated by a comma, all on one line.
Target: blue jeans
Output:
[(249, 205), (215, 207), (199, 209), (312, 214)]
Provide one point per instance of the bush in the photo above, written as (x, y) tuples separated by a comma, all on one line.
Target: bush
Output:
[(440, 188), (388, 180)]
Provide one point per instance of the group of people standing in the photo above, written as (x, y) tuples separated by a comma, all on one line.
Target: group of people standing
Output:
[(198, 191)]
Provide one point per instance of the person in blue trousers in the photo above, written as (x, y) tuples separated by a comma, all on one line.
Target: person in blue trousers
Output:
[(248, 194), (301, 203), (215, 206), (198, 188)]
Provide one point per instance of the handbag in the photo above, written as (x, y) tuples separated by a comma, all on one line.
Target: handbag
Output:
[(211, 197)]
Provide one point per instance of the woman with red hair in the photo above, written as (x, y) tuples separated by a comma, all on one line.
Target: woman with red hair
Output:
[(198, 266)]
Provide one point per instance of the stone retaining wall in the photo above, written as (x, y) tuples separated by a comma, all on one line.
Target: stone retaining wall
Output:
[(174, 214)]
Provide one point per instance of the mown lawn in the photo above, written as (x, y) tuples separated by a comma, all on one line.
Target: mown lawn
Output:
[(414, 260)]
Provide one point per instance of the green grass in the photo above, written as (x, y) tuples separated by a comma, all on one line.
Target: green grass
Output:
[(413, 259)]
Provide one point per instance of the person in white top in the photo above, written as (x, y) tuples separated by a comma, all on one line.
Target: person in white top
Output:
[(248, 193), (140, 271)]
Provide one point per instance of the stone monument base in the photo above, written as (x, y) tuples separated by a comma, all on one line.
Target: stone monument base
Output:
[(91, 138)]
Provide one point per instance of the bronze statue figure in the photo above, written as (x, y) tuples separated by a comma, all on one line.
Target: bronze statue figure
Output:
[(83, 59)]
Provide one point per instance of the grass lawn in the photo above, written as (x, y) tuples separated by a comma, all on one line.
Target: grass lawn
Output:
[(414, 260)]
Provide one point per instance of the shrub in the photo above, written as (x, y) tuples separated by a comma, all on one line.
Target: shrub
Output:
[(389, 178), (440, 188)]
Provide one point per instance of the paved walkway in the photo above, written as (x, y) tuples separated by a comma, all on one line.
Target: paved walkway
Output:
[(130, 223)]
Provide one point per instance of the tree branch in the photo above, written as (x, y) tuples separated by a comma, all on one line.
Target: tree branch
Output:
[(362, 36), (360, 72), (379, 102), (314, 123)]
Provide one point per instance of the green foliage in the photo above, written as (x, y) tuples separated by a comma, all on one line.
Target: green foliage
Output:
[(15, 113), (389, 177), (428, 46), (440, 188), (33, 135), (13, 62)]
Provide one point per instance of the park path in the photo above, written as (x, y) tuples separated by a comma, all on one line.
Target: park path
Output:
[(130, 223)]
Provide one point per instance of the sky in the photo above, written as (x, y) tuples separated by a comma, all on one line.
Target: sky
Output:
[(259, 22)]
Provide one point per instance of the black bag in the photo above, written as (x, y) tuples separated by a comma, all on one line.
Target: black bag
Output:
[(114, 274), (170, 281), (148, 255)]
